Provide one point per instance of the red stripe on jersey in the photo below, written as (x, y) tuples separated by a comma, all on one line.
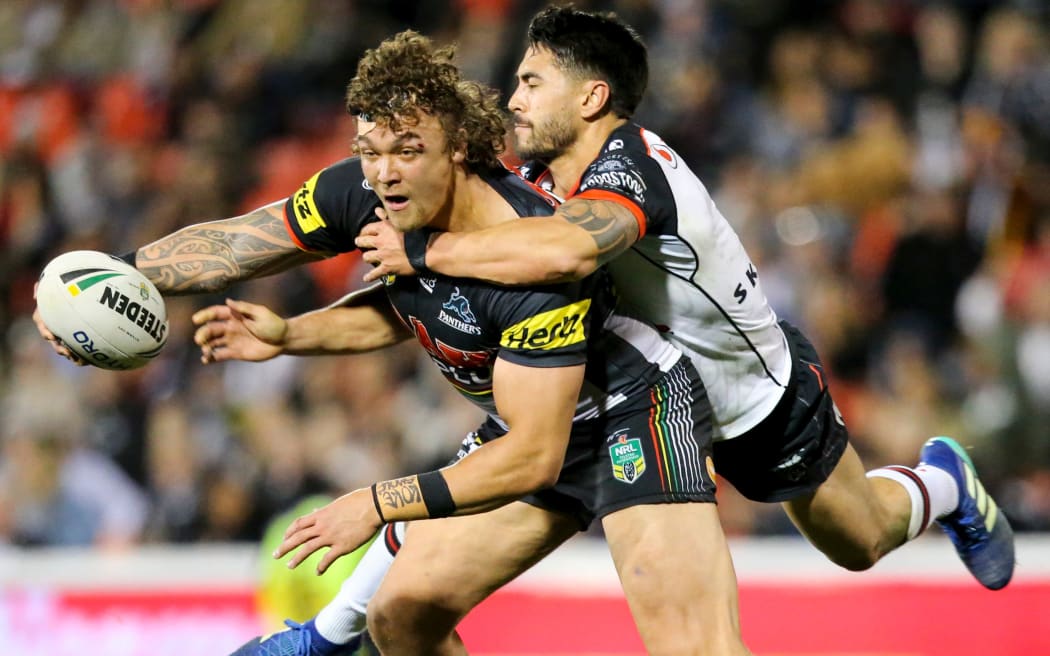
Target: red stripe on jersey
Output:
[(662, 150), (820, 379), (572, 192), (922, 490), (291, 232), (601, 194), (654, 433), (551, 198), (390, 538), (546, 174)]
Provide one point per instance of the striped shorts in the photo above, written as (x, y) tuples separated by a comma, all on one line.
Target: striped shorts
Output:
[(655, 447)]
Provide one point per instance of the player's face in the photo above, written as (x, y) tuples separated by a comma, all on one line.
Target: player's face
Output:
[(411, 170), (544, 107)]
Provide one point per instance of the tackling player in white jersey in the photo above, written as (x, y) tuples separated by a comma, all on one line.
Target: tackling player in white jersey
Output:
[(634, 205)]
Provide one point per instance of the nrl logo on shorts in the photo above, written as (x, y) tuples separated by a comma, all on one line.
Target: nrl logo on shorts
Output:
[(628, 460)]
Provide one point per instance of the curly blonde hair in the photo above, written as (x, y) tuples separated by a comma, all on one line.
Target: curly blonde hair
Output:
[(407, 75)]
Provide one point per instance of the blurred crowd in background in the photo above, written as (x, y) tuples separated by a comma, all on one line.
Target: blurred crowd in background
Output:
[(886, 162)]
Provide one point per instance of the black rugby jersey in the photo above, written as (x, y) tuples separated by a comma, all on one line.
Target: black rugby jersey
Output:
[(689, 274), (465, 324)]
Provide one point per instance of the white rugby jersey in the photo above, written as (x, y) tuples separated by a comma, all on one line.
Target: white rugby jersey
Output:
[(690, 275)]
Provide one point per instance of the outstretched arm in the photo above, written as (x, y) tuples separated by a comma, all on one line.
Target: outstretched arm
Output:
[(581, 236), (209, 257), (239, 330), (538, 405)]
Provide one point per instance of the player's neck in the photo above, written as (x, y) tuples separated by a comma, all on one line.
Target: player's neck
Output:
[(477, 205), (567, 168)]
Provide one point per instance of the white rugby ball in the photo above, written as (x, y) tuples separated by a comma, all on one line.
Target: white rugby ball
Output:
[(103, 309)]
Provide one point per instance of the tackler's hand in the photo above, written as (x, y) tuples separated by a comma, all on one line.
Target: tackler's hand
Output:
[(383, 247)]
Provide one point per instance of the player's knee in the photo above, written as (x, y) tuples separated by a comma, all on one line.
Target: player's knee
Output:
[(400, 619), (711, 643), (382, 626), (857, 558)]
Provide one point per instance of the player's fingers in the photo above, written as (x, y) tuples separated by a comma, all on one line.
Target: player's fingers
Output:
[(244, 307), (289, 544), (241, 310), (300, 524), (206, 333), (375, 274), (332, 555), (306, 550), (364, 242), (67, 353), (372, 229), (210, 313), (58, 346), (225, 354), (381, 213)]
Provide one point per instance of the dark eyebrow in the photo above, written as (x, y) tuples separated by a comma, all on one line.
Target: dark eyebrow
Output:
[(528, 76), (407, 136)]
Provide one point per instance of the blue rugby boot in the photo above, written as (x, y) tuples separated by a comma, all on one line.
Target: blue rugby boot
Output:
[(296, 640), (979, 530)]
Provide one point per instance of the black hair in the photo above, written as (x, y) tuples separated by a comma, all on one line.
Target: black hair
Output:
[(598, 45)]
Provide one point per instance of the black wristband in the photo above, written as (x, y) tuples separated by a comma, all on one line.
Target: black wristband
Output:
[(434, 490), (128, 257), (416, 249), (375, 500)]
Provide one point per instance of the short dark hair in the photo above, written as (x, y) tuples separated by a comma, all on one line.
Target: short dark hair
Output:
[(599, 45), (407, 74)]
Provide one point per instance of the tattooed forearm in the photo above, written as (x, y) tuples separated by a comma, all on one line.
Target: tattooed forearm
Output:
[(208, 257), (399, 492), (611, 225)]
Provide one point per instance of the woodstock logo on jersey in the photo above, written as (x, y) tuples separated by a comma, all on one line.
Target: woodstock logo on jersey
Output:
[(464, 321), (616, 171), (612, 164)]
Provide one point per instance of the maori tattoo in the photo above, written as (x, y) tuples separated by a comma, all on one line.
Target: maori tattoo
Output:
[(611, 225), (399, 492), (208, 257)]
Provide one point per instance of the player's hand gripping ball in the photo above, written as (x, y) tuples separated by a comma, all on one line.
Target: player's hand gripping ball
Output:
[(102, 309)]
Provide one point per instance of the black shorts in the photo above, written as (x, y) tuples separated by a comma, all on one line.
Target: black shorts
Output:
[(793, 450), (651, 448)]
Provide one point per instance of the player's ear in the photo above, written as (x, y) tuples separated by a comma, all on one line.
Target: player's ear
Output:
[(596, 98), (459, 148)]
